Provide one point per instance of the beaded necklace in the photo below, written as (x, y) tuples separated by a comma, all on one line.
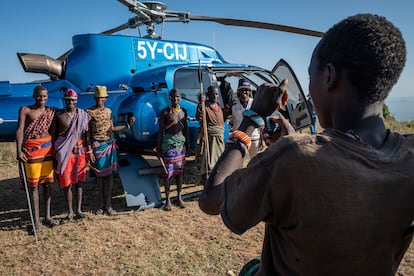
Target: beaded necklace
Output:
[(351, 133), (175, 109)]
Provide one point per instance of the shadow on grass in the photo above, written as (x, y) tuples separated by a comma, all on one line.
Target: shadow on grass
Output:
[(14, 211)]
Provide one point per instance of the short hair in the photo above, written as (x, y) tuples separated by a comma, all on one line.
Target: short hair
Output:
[(174, 91), (37, 89), (369, 49), (211, 89)]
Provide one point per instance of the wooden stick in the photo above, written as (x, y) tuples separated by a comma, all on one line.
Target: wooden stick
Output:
[(161, 160), (93, 168), (204, 119), (28, 198)]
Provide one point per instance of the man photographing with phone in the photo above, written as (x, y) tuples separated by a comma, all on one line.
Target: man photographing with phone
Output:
[(338, 202)]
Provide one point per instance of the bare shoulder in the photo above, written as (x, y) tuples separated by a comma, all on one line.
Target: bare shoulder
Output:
[(165, 111), (24, 109)]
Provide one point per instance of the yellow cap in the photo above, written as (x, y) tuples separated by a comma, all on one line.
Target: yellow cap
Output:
[(100, 92)]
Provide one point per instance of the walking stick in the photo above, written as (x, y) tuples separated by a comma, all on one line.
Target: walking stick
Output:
[(28, 198), (161, 160), (204, 119), (163, 164)]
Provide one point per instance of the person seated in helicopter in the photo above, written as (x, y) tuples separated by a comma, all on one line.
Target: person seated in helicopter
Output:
[(240, 105), (173, 140), (103, 149)]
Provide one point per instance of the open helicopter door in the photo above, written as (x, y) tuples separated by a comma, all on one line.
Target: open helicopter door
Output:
[(297, 107), (140, 189)]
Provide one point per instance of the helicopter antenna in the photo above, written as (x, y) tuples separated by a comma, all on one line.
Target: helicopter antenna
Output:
[(214, 40)]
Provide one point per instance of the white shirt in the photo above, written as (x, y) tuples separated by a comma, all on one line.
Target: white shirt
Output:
[(237, 110)]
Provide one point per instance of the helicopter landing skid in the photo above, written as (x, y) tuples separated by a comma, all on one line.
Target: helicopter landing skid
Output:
[(140, 190)]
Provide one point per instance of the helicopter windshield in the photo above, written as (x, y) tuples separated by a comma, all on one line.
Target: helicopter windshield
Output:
[(187, 81)]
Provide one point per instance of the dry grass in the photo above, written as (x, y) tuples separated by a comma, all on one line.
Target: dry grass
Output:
[(152, 242)]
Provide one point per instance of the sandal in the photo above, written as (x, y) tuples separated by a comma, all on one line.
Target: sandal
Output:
[(110, 211), (100, 211), (69, 217), (50, 222), (80, 216), (181, 204), (167, 207)]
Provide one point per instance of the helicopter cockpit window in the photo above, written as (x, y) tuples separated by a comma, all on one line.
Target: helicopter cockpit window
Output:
[(187, 82), (255, 79)]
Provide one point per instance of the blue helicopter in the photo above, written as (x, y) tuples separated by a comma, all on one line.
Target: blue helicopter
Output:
[(138, 73)]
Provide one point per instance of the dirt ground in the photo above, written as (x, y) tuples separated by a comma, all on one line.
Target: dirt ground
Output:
[(151, 242)]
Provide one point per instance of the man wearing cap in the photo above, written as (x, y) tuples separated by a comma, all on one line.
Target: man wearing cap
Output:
[(69, 131), (102, 150), (34, 149), (242, 103), (172, 144)]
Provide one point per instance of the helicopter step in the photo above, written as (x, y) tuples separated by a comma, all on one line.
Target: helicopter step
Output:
[(140, 180), (140, 189)]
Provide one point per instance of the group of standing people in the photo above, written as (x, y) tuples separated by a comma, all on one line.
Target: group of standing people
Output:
[(210, 142), (63, 143), (173, 136)]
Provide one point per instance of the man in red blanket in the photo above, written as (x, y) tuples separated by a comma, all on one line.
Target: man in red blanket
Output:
[(34, 149), (69, 130)]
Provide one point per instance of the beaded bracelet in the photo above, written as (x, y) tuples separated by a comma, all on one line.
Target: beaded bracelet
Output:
[(241, 138), (256, 118)]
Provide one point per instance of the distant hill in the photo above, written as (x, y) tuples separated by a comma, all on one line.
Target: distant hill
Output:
[(402, 108)]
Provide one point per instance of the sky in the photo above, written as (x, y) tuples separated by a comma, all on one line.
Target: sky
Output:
[(46, 27)]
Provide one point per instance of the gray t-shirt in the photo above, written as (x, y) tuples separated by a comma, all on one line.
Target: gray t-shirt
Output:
[(332, 205)]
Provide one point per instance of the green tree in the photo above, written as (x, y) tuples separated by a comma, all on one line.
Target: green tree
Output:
[(386, 112)]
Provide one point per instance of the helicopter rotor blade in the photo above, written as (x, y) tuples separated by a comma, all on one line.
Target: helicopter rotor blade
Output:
[(156, 12), (117, 29), (256, 24)]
